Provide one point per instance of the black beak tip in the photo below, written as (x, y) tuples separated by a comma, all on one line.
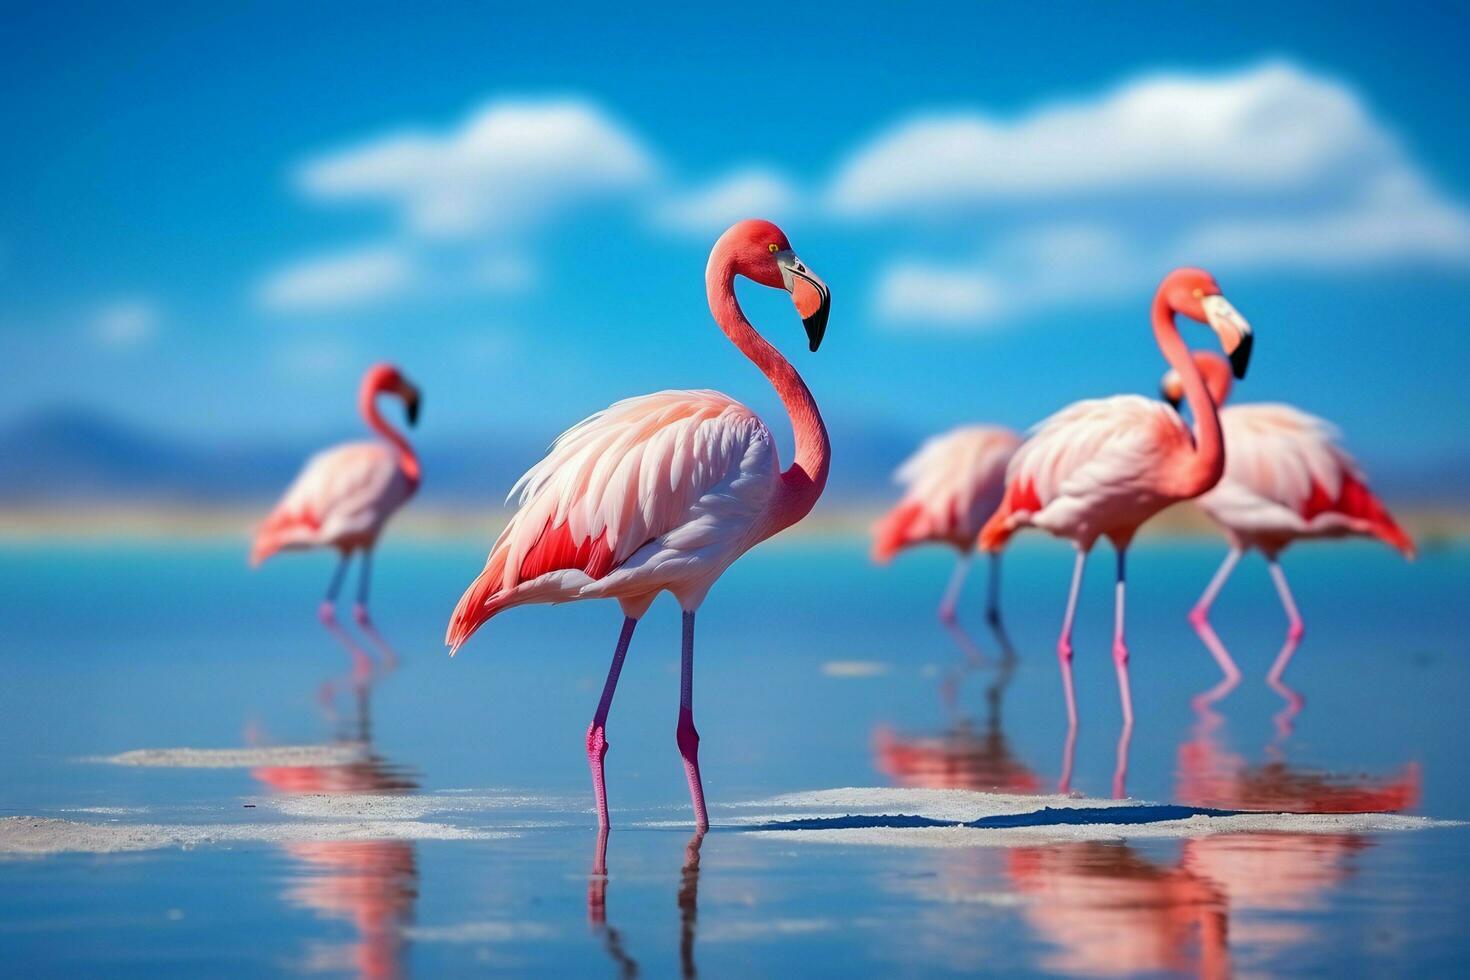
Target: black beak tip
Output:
[(1240, 358), (413, 411), (816, 326), (1173, 402)]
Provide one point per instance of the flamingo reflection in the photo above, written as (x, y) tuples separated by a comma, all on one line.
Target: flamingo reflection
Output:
[(963, 755), (688, 901), (372, 884)]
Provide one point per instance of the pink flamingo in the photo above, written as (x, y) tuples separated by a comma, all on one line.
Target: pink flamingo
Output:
[(344, 495), (664, 492), (951, 485), (1285, 478), (1104, 466)]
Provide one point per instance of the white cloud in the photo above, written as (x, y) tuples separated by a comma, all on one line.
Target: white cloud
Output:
[(936, 294), (342, 280), (1267, 168), (752, 192), (507, 162), (125, 323), (1273, 127)]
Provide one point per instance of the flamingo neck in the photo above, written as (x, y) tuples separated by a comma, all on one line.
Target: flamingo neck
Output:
[(1201, 469), (368, 406), (802, 483)]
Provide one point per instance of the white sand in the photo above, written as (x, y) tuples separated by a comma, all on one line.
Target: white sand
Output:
[(274, 755), (966, 806), (46, 835)]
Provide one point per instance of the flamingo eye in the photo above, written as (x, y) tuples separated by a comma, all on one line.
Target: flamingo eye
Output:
[(773, 247), (1199, 294)]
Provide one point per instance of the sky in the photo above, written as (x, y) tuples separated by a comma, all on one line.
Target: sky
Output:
[(214, 220)]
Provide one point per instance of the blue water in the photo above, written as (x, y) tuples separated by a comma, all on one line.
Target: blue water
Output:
[(813, 670)]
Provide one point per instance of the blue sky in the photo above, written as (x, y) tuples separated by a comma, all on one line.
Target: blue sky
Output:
[(213, 221)]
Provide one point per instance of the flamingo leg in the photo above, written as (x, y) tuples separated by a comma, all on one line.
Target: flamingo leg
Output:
[(1294, 629), (596, 732), (688, 737), (1200, 614), (1120, 646), (1064, 642), (992, 595), (952, 592), (364, 583), (327, 611)]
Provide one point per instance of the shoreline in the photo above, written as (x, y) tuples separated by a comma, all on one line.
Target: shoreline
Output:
[(155, 522)]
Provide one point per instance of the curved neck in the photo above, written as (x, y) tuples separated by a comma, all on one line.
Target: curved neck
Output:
[(1201, 469), (368, 405), (802, 483)]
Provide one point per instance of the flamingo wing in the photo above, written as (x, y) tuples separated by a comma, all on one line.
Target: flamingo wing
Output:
[(342, 495), (1287, 475), (1089, 463), (952, 483), (628, 501)]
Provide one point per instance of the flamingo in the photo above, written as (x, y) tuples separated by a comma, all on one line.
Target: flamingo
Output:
[(344, 495), (1286, 477), (663, 492), (1102, 467), (952, 483)]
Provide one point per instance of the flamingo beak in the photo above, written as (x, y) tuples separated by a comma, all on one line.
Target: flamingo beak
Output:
[(1171, 391), (1234, 333), (812, 297), (412, 399)]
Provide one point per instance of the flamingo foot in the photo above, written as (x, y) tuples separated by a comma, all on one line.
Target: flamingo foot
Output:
[(596, 752), (688, 739)]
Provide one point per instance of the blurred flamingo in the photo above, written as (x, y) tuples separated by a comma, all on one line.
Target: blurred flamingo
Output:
[(1285, 478), (663, 492), (344, 495), (1104, 466), (951, 485)]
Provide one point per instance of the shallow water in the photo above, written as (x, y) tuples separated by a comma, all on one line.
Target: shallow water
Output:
[(813, 670)]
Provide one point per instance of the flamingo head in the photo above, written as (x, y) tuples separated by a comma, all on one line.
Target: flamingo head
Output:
[(1212, 367), (387, 379), (1195, 294), (759, 251)]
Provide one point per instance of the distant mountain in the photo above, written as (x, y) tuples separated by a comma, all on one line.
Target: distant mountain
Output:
[(68, 454), (74, 455)]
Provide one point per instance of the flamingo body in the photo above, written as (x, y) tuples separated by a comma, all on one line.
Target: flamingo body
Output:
[(660, 492), (1288, 477), (952, 484), (341, 499), (1097, 467)]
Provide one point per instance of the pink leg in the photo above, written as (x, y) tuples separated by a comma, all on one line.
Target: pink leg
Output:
[(1295, 629), (327, 611), (952, 593), (688, 738), (596, 732), (1064, 642), (1200, 614), (1120, 646)]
